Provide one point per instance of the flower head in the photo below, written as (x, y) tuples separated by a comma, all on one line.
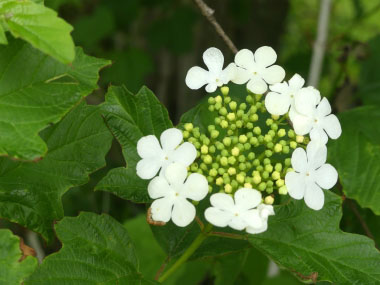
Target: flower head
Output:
[(215, 76), (258, 69), (172, 191), (155, 156), (264, 212), (310, 175), (238, 212), (316, 120)]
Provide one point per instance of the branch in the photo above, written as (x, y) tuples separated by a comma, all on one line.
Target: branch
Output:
[(209, 14), (320, 44)]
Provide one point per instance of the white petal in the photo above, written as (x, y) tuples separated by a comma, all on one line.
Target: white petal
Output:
[(196, 187), (265, 56), (158, 187), (332, 126), (222, 201), (244, 58), (211, 87), (301, 124), (237, 223), (273, 74), (252, 218), (176, 174), (324, 108), (218, 217), (314, 196), (170, 139), (316, 154), (296, 82), (214, 60), (162, 209), (257, 85), (316, 94), (252, 230), (317, 134), (281, 88), (326, 176), (147, 168), (299, 160), (183, 212), (295, 184), (277, 104), (241, 76), (265, 210), (196, 77), (247, 199), (305, 102), (148, 146), (229, 73), (185, 154)]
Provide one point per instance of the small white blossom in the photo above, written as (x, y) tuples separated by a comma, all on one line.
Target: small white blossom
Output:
[(258, 69), (238, 212), (318, 121), (310, 175), (172, 191), (264, 212), (155, 156), (290, 94), (215, 76)]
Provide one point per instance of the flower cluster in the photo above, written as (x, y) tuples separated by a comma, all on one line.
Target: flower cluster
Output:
[(252, 153)]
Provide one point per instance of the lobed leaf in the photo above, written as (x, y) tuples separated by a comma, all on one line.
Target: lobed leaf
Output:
[(40, 26), (129, 117), (30, 193), (13, 269), (36, 90)]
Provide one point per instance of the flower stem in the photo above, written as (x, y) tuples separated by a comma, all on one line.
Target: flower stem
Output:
[(189, 251)]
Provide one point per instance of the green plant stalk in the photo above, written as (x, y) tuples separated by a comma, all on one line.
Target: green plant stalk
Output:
[(189, 251)]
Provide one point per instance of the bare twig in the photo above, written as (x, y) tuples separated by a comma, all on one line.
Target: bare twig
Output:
[(364, 225), (320, 43), (209, 14), (228, 235), (34, 241), (162, 267)]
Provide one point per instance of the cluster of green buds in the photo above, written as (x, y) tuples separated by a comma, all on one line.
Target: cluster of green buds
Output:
[(245, 147)]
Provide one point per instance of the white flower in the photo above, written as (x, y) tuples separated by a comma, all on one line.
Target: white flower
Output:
[(318, 121), (154, 157), (258, 69), (216, 77), (310, 175), (172, 191), (264, 212), (237, 214), (291, 94)]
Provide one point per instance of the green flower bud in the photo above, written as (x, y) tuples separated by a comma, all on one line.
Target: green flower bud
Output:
[(255, 173), (300, 139), (253, 109), (289, 170), (260, 168), (249, 135), (256, 179), (224, 124), (247, 146), (269, 200), (223, 111), (253, 141), (230, 132), (203, 166), (188, 127), (272, 133), (231, 160), (270, 183), (227, 141), (251, 156), (233, 127), (226, 180), (225, 90), (262, 186), (218, 106), (266, 161), (231, 116), (224, 161), (186, 134), (210, 179), (221, 171), (248, 185), (248, 180), (235, 140), (240, 113), (281, 133), (210, 128), (275, 117), (240, 178), (194, 167), (276, 175), (248, 165), (249, 126), (227, 100), (249, 99), (291, 134), (260, 138), (245, 118), (233, 105), (234, 184), (242, 166), (239, 124), (274, 127), (212, 149), (218, 99), (257, 130), (227, 188), (258, 105), (206, 140), (269, 190), (235, 151), (286, 149), (268, 168), (213, 172), (219, 145), (241, 158), (219, 181), (293, 144), (204, 149), (197, 145), (265, 175), (198, 153), (243, 106), (211, 100), (256, 162), (217, 120), (270, 145), (200, 171), (269, 122), (283, 142), (288, 162), (280, 182), (283, 190), (224, 152), (211, 108), (278, 147), (278, 167), (267, 138), (243, 138), (258, 96), (215, 165), (208, 159), (268, 153)]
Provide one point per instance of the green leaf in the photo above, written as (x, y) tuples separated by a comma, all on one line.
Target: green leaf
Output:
[(36, 90), (30, 193), (3, 37), (152, 256), (40, 26), (310, 244), (96, 250), (356, 155), (12, 270), (129, 117)]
